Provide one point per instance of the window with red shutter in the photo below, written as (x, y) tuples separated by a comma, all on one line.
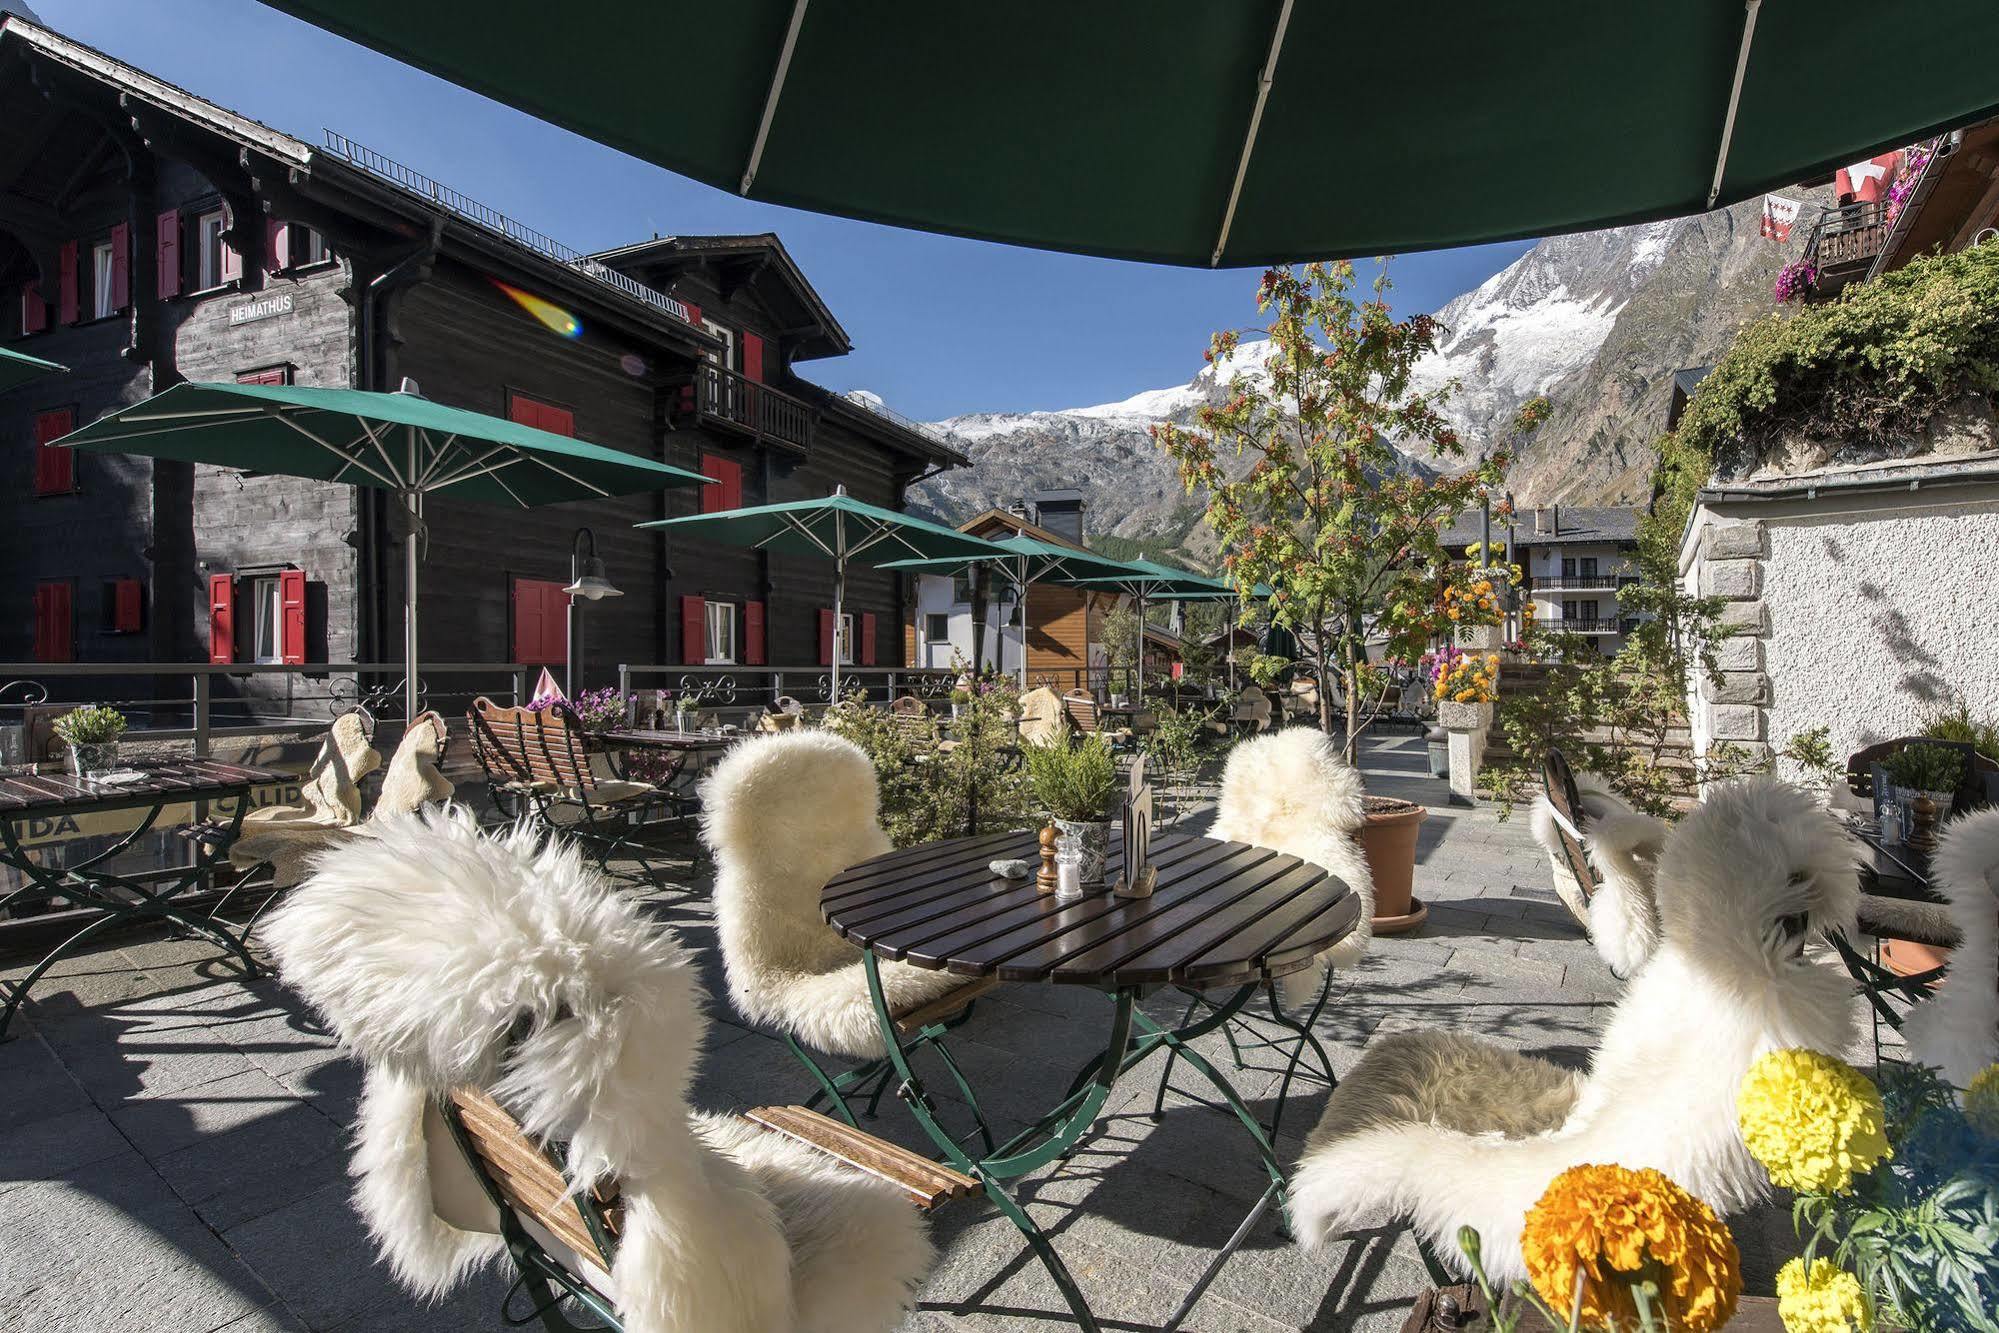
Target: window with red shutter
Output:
[(291, 617), (541, 624), (55, 623), (69, 300), (166, 252), (753, 357), (268, 375), (229, 259), (121, 266), (753, 634), (727, 490), (867, 638), (542, 416), (693, 631), (55, 469), (127, 598), (277, 246), (826, 636), (221, 617)]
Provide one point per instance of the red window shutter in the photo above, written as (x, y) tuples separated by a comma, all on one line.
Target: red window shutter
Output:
[(55, 625), (540, 627), (826, 637), (121, 266), (126, 601), (753, 633), (221, 617), (274, 375), (277, 246), (34, 310), (523, 410), (693, 313), (554, 623), (867, 653), (166, 252), (558, 420), (55, 469), (542, 416), (727, 490), (67, 298), (693, 630), (753, 357), (291, 616)]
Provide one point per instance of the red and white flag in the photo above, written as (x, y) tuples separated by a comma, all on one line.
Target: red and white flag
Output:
[(1778, 215), (1866, 182)]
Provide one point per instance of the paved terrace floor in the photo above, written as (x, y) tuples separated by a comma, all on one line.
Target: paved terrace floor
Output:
[(173, 1141)]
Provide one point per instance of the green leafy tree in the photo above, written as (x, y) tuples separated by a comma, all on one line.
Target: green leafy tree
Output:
[(1326, 513)]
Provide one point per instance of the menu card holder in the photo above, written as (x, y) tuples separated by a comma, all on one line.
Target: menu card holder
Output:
[(1139, 877)]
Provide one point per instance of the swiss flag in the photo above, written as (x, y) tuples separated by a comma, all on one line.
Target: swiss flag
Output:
[(1867, 182), (1778, 215)]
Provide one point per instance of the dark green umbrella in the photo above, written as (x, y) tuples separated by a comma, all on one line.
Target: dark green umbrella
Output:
[(1148, 580), (838, 527), (1022, 560), (18, 368), (1192, 132), (395, 441)]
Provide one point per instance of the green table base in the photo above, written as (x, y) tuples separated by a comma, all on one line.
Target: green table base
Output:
[(1134, 1038), (119, 898)]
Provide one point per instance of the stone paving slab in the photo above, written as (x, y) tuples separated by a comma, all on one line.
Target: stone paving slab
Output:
[(173, 1137)]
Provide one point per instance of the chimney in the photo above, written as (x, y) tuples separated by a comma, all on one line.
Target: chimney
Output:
[(1555, 517), (1540, 520), (1019, 509)]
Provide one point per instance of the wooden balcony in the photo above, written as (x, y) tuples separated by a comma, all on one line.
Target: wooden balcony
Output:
[(1845, 242), (723, 400)]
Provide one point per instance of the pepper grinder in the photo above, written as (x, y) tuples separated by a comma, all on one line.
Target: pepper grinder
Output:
[(1044, 880)]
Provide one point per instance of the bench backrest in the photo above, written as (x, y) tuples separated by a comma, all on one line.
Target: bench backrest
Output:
[(1558, 781), (1081, 708), (1970, 793), (531, 746), (528, 1180)]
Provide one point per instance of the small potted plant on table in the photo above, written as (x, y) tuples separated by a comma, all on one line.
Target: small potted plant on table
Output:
[(1930, 774), (1075, 784), (92, 735)]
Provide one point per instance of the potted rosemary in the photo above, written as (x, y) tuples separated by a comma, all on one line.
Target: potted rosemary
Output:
[(92, 737), (1075, 784), (1930, 774)]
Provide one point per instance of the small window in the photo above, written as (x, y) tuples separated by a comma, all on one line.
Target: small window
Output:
[(1587, 566), (936, 627), (124, 600), (266, 375), (103, 282), (961, 589), (311, 247), (721, 633), (267, 625), (847, 639), (208, 247)]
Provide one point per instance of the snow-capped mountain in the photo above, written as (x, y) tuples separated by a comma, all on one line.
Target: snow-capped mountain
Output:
[(1597, 321)]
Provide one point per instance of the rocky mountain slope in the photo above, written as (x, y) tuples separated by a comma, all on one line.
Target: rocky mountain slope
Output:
[(1598, 321)]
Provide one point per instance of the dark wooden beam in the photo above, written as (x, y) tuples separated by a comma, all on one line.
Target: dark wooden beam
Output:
[(25, 142)]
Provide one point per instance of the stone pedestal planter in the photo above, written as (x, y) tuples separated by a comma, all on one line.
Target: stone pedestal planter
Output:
[(1479, 638), (1467, 725)]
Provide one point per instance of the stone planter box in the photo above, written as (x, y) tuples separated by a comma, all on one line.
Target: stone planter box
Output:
[(1478, 638), (1455, 716)]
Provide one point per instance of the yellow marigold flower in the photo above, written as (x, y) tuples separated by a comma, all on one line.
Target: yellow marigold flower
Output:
[(1981, 1101), (1492, 659), (1813, 1121), (1823, 1298), (1610, 1224)]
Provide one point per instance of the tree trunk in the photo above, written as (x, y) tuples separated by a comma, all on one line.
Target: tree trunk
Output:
[(978, 581)]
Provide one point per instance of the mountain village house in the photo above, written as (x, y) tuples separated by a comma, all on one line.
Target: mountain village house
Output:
[(148, 236), (1573, 560)]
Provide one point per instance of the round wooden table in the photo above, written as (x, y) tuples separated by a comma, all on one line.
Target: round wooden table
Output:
[(1223, 916)]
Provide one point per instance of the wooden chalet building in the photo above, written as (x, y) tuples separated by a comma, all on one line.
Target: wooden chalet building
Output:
[(149, 237)]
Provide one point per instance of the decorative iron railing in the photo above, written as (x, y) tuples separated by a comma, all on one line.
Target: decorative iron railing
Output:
[(1582, 582)]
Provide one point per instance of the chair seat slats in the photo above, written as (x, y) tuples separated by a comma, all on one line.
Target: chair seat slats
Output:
[(928, 1184)]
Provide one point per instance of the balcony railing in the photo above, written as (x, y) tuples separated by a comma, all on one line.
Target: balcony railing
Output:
[(1591, 625), (725, 400), (1845, 241), (1582, 582)]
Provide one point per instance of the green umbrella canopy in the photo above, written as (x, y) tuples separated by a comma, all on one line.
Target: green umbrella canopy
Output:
[(18, 368), (396, 441), (1021, 558), (1149, 580), (836, 526), (1190, 132)]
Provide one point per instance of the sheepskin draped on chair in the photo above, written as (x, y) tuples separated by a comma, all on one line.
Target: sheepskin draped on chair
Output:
[(783, 815), (1610, 893), (448, 959), (1252, 710), (1041, 718), (1957, 1028), (330, 796), (1447, 1131)]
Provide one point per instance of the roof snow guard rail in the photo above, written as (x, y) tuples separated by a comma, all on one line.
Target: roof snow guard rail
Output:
[(479, 215)]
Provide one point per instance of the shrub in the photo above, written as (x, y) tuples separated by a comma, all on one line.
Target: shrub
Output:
[(94, 725), (1073, 781), (1929, 768), (928, 793)]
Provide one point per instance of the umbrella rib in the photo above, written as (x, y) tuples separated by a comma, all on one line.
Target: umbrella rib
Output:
[(364, 435), (501, 482), (144, 434), (368, 429), (802, 529), (1734, 97), (438, 453), (776, 91), (478, 467), (189, 416), (390, 481), (568, 476), (1264, 79)]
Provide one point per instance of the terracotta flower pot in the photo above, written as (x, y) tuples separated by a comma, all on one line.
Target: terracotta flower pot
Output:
[(1906, 958), (1389, 840)]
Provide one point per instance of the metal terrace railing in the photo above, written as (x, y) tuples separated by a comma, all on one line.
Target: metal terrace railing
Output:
[(471, 210), (1582, 582), (887, 413)]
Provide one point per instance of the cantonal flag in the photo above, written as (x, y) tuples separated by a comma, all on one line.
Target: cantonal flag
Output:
[(1778, 215)]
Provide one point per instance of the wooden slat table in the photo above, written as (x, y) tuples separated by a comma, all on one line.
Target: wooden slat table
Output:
[(1224, 916), (89, 883), (667, 738)]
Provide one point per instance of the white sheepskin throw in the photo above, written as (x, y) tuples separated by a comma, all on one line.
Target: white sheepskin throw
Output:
[(1448, 1131), (1293, 791), (330, 796), (1956, 1030), (782, 815), (444, 957), (1623, 846)]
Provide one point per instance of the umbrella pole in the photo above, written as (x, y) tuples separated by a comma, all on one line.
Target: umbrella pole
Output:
[(410, 703), (1020, 590), (839, 593), (1140, 701)]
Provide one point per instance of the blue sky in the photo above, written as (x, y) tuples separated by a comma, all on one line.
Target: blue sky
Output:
[(940, 325)]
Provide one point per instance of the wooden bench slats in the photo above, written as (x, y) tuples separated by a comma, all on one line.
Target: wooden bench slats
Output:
[(928, 1184), (527, 1176), (910, 1021)]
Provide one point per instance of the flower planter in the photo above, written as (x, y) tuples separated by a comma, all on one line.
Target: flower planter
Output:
[(1388, 838), (1906, 958), (84, 760), (1455, 716), (1093, 837)]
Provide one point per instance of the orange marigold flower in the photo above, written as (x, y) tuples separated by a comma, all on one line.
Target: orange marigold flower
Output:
[(1615, 1226)]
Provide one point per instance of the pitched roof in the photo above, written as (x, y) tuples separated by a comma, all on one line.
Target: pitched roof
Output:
[(765, 250), (1579, 525)]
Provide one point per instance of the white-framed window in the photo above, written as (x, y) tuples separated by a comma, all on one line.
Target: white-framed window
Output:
[(101, 281), (721, 620), (310, 247), (846, 638), (267, 621), (208, 245)]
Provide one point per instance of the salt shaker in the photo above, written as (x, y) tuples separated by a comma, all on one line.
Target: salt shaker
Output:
[(1068, 870), (1891, 822)]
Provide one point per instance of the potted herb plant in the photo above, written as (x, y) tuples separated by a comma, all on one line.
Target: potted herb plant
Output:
[(1074, 783), (92, 737), (961, 694), (1930, 774)]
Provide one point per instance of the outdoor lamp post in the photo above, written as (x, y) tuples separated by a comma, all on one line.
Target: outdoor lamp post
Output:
[(586, 580)]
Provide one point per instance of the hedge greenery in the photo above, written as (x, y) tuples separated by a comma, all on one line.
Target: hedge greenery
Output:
[(1871, 365)]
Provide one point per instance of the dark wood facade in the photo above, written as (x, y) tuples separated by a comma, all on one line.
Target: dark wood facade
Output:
[(341, 275)]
